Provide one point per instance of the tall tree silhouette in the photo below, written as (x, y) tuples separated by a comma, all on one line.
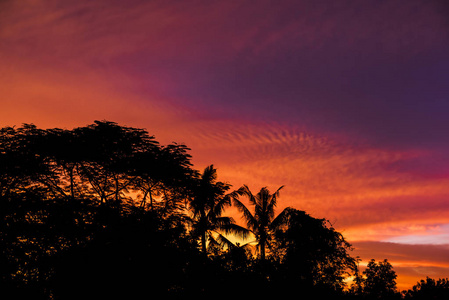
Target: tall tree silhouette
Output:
[(207, 205), (312, 252), (60, 189), (379, 281), (95, 207), (108, 151), (429, 289), (163, 177), (263, 222)]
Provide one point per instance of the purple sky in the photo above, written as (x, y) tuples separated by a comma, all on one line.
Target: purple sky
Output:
[(344, 102)]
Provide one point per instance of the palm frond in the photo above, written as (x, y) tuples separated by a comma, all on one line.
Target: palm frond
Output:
[(223, 241), (276, 194), (281, 219), (209, 174), (223, 222), (245, 191), (220, 206), (238, 231), (249, 245), (247, 215), (273, 202)]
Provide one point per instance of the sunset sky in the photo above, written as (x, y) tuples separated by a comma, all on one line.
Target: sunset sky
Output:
[(346, 103)]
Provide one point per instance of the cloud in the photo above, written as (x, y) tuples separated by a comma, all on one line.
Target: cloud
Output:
[(372, 70), (359, 188), (219, 32), (436, 234), (411, 262), (344, 103), (54, 97), (303, 95)]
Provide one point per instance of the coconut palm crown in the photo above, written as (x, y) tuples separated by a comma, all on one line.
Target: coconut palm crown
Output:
[(207, 206), (262, 222)]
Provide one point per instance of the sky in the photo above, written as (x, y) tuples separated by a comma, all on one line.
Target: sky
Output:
[(346, 103)]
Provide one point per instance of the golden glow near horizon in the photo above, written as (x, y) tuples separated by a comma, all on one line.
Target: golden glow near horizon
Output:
[(270, 99), (371, 205)]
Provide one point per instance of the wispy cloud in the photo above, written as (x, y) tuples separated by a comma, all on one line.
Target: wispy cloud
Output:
[(424, 235), (146, 63), (344, 103), (411, 262), (358, 187)]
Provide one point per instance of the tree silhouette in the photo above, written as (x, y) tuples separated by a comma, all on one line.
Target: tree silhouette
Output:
[(312, 252), (207, 205), (262, 223), (379, 280), (108, 152), (60, 189), (163, 177), (105, 211), (429, 289)]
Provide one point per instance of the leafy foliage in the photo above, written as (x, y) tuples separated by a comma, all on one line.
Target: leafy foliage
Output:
[(262, 222), (207, 205), (429, 289), (312, 251), (105, 211), (378, 281)]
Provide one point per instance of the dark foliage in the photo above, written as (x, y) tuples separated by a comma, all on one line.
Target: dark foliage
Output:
[(429, 289), (378, 281), (105, 211), (313, 253)]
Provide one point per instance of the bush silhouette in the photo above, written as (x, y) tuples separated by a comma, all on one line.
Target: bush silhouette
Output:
[(106, 211)]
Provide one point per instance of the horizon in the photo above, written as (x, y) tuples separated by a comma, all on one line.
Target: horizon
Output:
[(344, 103)]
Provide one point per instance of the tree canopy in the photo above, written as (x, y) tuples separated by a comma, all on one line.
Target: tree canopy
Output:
[(107, 211)]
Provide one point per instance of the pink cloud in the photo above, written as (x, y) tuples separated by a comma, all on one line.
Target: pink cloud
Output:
[(353, 185), (411, 262), (206, 74)]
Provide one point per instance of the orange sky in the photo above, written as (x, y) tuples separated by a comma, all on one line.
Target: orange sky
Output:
[(188, 74)]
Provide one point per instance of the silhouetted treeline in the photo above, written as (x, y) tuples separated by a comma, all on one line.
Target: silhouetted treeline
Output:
[(106, 211)]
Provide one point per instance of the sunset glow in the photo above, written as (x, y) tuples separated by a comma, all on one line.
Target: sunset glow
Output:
[(346, 103)]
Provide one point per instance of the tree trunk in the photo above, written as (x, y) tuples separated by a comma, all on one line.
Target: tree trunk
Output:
[(203, 230), (203, 243), (262, 250), (151, 201)]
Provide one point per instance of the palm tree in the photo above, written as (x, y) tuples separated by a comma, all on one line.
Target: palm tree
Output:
[(207, 206), (262, 223)]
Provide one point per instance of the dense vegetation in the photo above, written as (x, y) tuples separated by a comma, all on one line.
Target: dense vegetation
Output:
[(106, 211)]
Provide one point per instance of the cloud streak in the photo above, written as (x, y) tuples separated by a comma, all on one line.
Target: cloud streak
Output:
[(354, 185), (344, 103), (410, 262)]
